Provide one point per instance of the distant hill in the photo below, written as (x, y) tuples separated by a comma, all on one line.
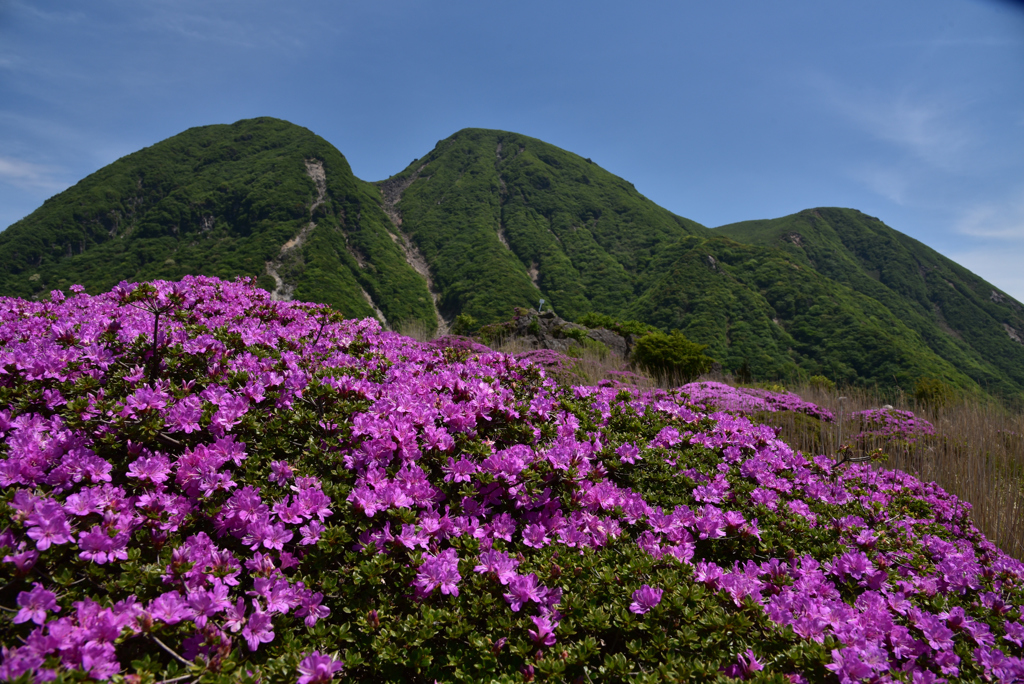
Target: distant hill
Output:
[(962, 318), (490, 220)]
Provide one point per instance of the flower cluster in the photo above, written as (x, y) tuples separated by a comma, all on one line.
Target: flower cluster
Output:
[(193, 465), (890, 423), (748, 400)]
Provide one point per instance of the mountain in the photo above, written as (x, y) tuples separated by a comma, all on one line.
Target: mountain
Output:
[(962, 318), (261, 198), (491, 220), (503, 219)]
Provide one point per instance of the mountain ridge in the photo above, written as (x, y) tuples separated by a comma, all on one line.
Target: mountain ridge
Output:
[(489, 220), (930, 292)]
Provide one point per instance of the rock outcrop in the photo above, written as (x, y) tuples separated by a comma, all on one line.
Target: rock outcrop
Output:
[(547, 330)]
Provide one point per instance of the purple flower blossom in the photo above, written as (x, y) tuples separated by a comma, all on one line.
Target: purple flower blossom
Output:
[(170, 608), (48, 525), (628, 453), (207, 603), (745, 667), (35, 604), (544, 634), (280, 473), (499, 563), (645, 598), (310, 533), (311, 609), (535, 536), (259, 629), (152, 469), (51, 460), (441, 570), (318, 669), (523, 588)]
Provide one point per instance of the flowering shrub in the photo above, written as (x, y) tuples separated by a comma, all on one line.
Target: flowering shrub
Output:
[(201, 483), (749, 400), (890, 423)]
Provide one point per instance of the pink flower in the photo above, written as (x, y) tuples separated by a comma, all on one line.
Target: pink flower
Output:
[(545, 632), (441, 570), (280, 473), (48, 525), (310, 608), (35, 603), (498, 562), (523, 588), (310, 533), (259, 630), (745, 666), (318, 669), (645, 598)]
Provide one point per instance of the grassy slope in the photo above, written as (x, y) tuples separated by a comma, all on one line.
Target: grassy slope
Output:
[(595, 244), (957, 314), (758, 306), (584, 230), (218, 200)]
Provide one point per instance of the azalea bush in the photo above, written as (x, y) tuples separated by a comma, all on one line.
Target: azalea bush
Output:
[(202, 484), (891, 424), (750, 400)]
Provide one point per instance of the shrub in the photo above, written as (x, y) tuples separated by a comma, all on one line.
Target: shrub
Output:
[(588, 346), (933, 393), (625, 328), (822, 384), (465, 324), (671, 356), (202, 484)]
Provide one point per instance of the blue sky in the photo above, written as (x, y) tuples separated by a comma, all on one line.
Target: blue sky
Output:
[(910, 111)]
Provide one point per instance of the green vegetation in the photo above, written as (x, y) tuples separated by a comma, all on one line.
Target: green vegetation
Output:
[(758, 309), (821, 383), (221, 201), (624, 328), (465, 324), (671, 357), (960, 317), (499, 221), (933, 393), (488, 208)]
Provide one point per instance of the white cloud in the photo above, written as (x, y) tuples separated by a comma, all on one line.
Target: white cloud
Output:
[(997, 232), (1000, 220), (927, 125), (30, 176), (72, 17), (245, 25)]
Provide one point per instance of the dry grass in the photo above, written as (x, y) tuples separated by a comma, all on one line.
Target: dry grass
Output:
[(587, 365), (976, 453), (416, 330)]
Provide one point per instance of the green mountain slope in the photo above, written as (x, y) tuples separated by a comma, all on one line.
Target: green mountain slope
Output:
[(490, 220), (758, 308), (962, 318), (261, 198), (503, 219)]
